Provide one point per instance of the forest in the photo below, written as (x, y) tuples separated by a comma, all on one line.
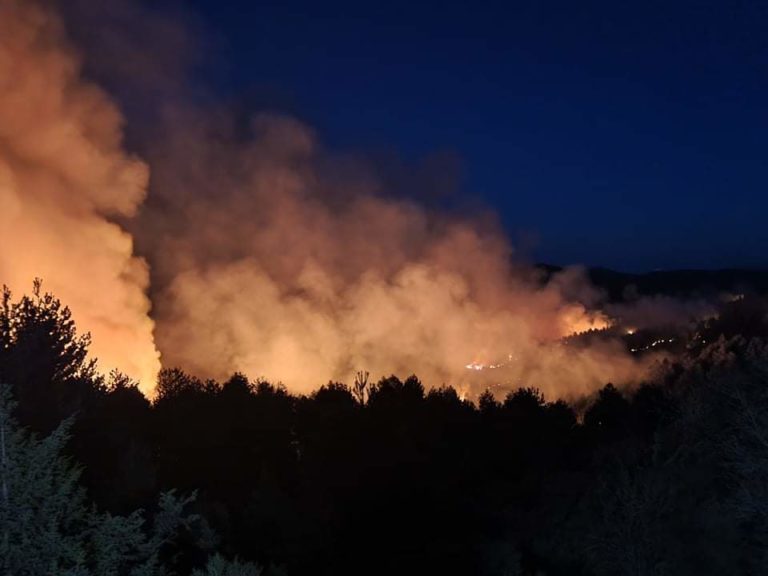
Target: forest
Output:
[(385, 477)]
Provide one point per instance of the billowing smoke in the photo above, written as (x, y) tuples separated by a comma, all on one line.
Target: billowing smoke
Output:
[(271, 259), (63, 179), (269, 256)]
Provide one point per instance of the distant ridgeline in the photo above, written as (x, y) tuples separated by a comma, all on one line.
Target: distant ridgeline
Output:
[(675, 283)]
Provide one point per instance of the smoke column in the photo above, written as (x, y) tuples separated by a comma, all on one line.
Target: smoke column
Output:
[(63, 179)]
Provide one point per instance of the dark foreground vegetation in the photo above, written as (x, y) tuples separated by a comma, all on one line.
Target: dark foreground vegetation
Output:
[(385, 477)]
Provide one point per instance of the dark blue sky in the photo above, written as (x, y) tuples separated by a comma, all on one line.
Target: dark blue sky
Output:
[(623, 134)]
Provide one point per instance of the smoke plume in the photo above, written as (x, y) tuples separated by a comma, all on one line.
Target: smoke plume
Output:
[(64, 178), (268, 254), (271, 259)]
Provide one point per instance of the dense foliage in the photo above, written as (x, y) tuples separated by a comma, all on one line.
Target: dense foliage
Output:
[(387, 477)]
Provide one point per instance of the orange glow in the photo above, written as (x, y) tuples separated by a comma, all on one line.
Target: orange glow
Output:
[(576, 319), (63, 175), (263, 262)]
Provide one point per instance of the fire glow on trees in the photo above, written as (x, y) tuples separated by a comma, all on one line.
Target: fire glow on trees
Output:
[(63, 177)]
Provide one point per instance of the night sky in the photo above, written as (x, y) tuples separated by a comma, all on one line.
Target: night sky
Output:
[(628, 135)]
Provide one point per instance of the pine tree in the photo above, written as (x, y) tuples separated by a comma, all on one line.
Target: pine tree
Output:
[(46, 526), (43, 515), (43, 359), (219, 566)]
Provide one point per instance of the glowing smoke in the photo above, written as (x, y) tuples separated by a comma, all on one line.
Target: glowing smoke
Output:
[(63, 175), (267, 256), (266, 264)]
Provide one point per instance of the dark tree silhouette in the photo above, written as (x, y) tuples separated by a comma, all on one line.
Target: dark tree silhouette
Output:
[(43, 358), (668, 477)]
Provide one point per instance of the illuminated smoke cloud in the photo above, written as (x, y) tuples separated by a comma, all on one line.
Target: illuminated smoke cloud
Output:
[(63, 179), (267, 265), (268, 255)]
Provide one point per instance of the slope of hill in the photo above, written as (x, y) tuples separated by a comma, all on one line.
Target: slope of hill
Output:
[(678, 283)]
